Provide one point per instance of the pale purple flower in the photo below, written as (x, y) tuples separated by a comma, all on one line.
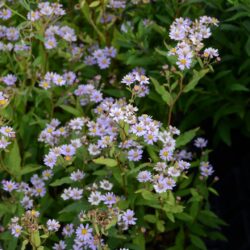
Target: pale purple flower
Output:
[(103, 62), (33, 15), (53, 225), (95, 198), (184, 63), (77, 175), (58, 80), (9, 186), (39, 190), (3, 143), (9, 80), (16, 230), (5, 14), (50, 159), (89, 60), (12, 34), (135, 154), (68, 150), (128, 79), (206, 169), (110, 51), (26, 202), (109, 199), (144, 176), (200, 142), (128, 217), (160, 166), (166, 154), (84, 232), (50, 43), (210, 53), (7, 131), (68, 230), (47, 174), (174, 172), (106, 185), (60, 246)]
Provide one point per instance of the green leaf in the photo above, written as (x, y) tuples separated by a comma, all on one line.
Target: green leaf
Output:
[(186, 137), (94, 4), (198, 242), (184, 217), (150, 218), (71, 110), (59, 182), (75, 207), (167, 98), (195, 79), (106, 161), (160, 226), (12, 159), (29, 169)]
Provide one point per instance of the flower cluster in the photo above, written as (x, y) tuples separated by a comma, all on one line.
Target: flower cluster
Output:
[(3, 99), (5, 14), (64, 32), (190, 36), (9, 33), (9, 79), (53, 79), (46, 10), (101, 57), (88, 94), (6, 135), (137, 82)]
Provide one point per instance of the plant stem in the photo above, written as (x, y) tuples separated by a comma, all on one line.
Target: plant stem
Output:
[(170, 112)]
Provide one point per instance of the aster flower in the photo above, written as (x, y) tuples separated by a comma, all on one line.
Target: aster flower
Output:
[(26, 202), (9, 80), (144, 176), (50, 43), (135, 154), (9, 185), (128, 217), (200, 142), (47, 174), (206, 169), (68, 150), (174, 172), (60, 246), (103, 62), (84, 232), (16, 230), (109, 199), (53, 225), (95, 198), (3, 143), (106, 185), (128, 79), (166, 154), (210, 53), (77, 175), (68, 230), (5, 14), (7, 131), (50, 159), (33, 16)]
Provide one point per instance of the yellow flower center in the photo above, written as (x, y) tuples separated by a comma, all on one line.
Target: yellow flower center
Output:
[(183, 61), (67, 158), (206, 54), (3, 102), (84, 231)]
